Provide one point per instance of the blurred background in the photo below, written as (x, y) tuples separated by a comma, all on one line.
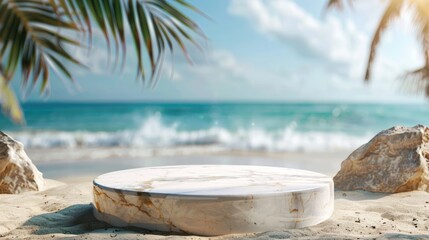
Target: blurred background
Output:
[(275, 79)]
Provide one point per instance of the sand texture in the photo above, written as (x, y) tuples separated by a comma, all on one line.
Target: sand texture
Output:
[(65, 211)]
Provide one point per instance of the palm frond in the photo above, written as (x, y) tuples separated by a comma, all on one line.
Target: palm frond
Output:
[(155, 26), (335, 4), (9, 102), (392, 11), (420, 76), (35, 36), (417, 80), (30, 39)]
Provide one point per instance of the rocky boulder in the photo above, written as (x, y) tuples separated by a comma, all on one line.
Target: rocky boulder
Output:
[(17, 172), (395, 160)]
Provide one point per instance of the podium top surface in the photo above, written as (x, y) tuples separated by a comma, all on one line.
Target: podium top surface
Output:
[(213, 181)]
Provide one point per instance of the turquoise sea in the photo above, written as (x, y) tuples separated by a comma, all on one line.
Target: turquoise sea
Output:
[(251, 126)]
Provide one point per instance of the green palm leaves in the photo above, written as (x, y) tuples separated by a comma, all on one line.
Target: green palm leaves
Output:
[(10, 105), (36, 37), (420, 11)]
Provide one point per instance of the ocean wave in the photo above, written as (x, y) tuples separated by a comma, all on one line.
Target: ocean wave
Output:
[(153, 133)]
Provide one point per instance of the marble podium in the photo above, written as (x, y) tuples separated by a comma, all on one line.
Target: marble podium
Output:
[(213, 199)]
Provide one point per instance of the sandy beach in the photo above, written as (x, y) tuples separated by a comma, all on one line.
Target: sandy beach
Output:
[(64, 210), (275, 87)]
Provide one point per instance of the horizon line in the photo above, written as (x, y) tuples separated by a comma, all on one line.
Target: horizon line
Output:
[(241, 101)]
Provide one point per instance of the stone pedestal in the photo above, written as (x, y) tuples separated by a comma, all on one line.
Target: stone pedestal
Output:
[(213, 199)]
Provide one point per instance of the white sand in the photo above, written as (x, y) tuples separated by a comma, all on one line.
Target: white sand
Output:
[(64, 211)]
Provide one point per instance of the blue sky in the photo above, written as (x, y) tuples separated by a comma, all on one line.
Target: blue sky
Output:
[(265, 50)]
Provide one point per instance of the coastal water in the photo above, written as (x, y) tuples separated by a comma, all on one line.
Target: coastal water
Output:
[(243, 126)]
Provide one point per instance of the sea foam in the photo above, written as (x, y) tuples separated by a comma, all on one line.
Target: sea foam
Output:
[(153, 133)]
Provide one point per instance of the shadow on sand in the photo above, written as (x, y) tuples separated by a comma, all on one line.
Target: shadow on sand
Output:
[(75, 219), (358, 195), (78, 219)]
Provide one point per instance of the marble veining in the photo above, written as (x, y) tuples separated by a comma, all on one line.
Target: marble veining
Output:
[(213, 199)]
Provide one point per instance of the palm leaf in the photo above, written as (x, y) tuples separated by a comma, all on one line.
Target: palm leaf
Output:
[(29, 38), (420, 77), (392, 11), (147, 21), (335, 3), (35, 36), (10, 104)]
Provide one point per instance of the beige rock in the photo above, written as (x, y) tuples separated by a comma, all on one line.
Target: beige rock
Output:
[(395, 160), (17, 172)]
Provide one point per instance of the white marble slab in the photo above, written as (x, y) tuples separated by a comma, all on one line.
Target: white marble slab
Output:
[(213, 199)]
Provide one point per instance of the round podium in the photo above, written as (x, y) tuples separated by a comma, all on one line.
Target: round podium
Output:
[(213, 199)]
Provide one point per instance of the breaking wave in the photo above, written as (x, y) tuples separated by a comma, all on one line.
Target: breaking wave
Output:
[(153, 133)]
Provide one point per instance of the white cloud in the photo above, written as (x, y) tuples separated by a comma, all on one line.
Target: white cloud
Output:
[(220, 75), (331, 40), (334, 46), (96, 59), (219, 65)]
